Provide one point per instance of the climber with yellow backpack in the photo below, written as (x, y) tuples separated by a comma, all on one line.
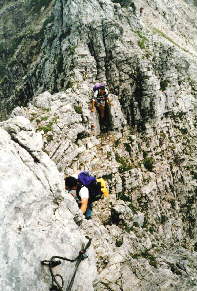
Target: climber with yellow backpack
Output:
[(86, 189)]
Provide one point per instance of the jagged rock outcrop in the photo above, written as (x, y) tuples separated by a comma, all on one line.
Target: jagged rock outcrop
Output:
[(150, 217), (36, 222), (54, 45)]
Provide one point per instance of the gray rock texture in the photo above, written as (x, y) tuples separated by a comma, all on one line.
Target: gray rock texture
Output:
[(54, 45), (148, 227), (36, 223), (144, 235)]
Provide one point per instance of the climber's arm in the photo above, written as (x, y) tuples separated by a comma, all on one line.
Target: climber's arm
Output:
[(92, 105), (84, 205), (109, 101)]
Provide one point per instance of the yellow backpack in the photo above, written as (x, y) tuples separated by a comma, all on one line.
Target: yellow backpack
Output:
[(104, 187)]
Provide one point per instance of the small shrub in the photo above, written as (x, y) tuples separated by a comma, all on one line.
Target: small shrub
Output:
[(49, 138), (116, 143), (119, 242), (132, 207), (78, 109), (151, 259), (164, 85), (123, 197), (55, 119), (151, 229), (45, 109), (143, 40), (125, 165), (177, 159), (127, 147), (128, 228), (72, 49), (148, 163), (43, 118), (81, 135), (184, 130), (141, 43), (161, 33), (145, 154), (143, 204), (109, 155), (163, 219), (135, 224), (69, 84), (46, 128)]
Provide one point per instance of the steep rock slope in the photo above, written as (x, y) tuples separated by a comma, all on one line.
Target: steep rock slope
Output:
[(148, 226), (145, 236), (55, 44), (36, 223)]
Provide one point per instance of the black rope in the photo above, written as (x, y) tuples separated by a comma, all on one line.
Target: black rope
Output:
[(53, 262)]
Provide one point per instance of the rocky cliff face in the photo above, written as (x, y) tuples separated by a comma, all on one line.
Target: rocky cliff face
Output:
[(149, 219), (36, 223), (56, 44), (145, 234)]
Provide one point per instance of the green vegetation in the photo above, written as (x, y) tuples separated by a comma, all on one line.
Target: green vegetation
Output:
[(161, 33), (45, 109), (119, 242), (43, 118), (3, 115), (135, 223), (81, 135), (194, 174), (148, 163), (46, 128), (128, 228), (163, 219), (146, 255), (151, 229), (8, 47), (141, 43), (125, 165), (126, 3), (127, 147), (132, 207), (123, 197), (49, 126), (72, 49), (143, 204), (35, 6), (184, 130), (143, 40), (109, 154), (49, 138), (117, 142), (78, 109), (164, 85), (69, 84), (178, 159)]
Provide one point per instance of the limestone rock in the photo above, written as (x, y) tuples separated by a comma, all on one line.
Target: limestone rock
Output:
[(36, 216), (145, 234)]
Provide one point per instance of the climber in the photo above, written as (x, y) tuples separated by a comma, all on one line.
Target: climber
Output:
[(81, 195), (141, 11), (101, 102)]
